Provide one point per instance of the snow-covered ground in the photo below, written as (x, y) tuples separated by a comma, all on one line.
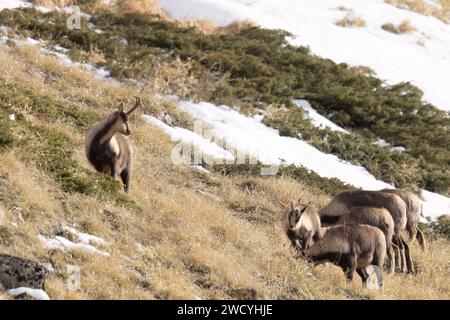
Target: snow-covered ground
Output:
[(37, 294), (316, 119), (394, 57), (191, 141), (249, 136), (86, 242), (12, 4)]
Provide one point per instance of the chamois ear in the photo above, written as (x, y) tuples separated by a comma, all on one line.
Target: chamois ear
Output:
[(292, 205), (120, 107)]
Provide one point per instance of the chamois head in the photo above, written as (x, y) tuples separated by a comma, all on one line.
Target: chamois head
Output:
[(302, 224), (121, 124)]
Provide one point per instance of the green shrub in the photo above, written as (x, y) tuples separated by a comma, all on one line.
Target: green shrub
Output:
[(308, 178), (259, 68), (440, 227)]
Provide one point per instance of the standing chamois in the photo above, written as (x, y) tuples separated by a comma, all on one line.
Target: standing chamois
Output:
[(107, 148), (343, 203), (375, 217), (352, 247), (413, 212)]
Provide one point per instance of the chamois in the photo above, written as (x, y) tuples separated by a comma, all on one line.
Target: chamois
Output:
[(107, 148), (413, 212), (344, 201), (375, 217), (352, 247)]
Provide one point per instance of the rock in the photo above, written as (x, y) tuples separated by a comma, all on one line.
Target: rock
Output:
[(374, 281), (28, 294), (243, 294), (2, 215), (17, 272)]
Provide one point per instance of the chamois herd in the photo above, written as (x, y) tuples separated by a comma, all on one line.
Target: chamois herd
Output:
[(355, 230)]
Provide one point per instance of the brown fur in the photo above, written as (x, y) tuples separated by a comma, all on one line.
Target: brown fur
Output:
[(375, 217), (413, 212), (344, 201), (107, 148), (305, 231), (351, 247)]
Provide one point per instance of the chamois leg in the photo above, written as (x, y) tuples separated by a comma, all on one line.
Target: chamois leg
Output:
[(403, 258), (421, 239), (408, 258), (349, 266), (391, 259), (125, 176), (399, 254), (364, 276), (114, 163)]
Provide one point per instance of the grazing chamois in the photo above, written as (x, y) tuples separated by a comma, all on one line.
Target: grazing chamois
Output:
[(342, 203), (413, 212), (375, 217), (107, 148), (352, 247)]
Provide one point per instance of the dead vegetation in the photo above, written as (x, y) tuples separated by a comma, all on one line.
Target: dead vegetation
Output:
[(402, 28), (195, 236), (350, 19), (439, 9)]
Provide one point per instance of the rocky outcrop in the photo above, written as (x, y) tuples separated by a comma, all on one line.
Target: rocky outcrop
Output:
[(17, 272)]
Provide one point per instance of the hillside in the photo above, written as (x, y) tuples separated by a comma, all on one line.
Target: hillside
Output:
[(181, 233)]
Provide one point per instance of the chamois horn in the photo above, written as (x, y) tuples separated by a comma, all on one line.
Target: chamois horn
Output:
[(307, 206), (137, 104)]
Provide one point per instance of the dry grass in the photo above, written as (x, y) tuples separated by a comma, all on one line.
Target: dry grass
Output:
[(54, 3), (351, 20), (237, 26), (402, 28), (196, 237), (439, 9), (131, 6), (139, 6), (203, 25)]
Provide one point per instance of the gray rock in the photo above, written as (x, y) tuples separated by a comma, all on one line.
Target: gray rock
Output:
[(17, 272)]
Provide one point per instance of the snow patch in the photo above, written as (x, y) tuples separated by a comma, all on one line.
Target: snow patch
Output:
[(382, 143), (200, 169), (312, 24), (84, 237), (210, 151), (398, 149), (318, 120), (37, 294), (61, 243), (14, 4), (267, 146)]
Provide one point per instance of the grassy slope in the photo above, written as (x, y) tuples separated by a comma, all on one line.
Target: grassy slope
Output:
[(255, 68), (185, 236)]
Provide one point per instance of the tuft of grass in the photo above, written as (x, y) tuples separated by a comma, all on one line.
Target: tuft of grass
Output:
[(139, 6), (439, 9), (402, 28), (351, 20)]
